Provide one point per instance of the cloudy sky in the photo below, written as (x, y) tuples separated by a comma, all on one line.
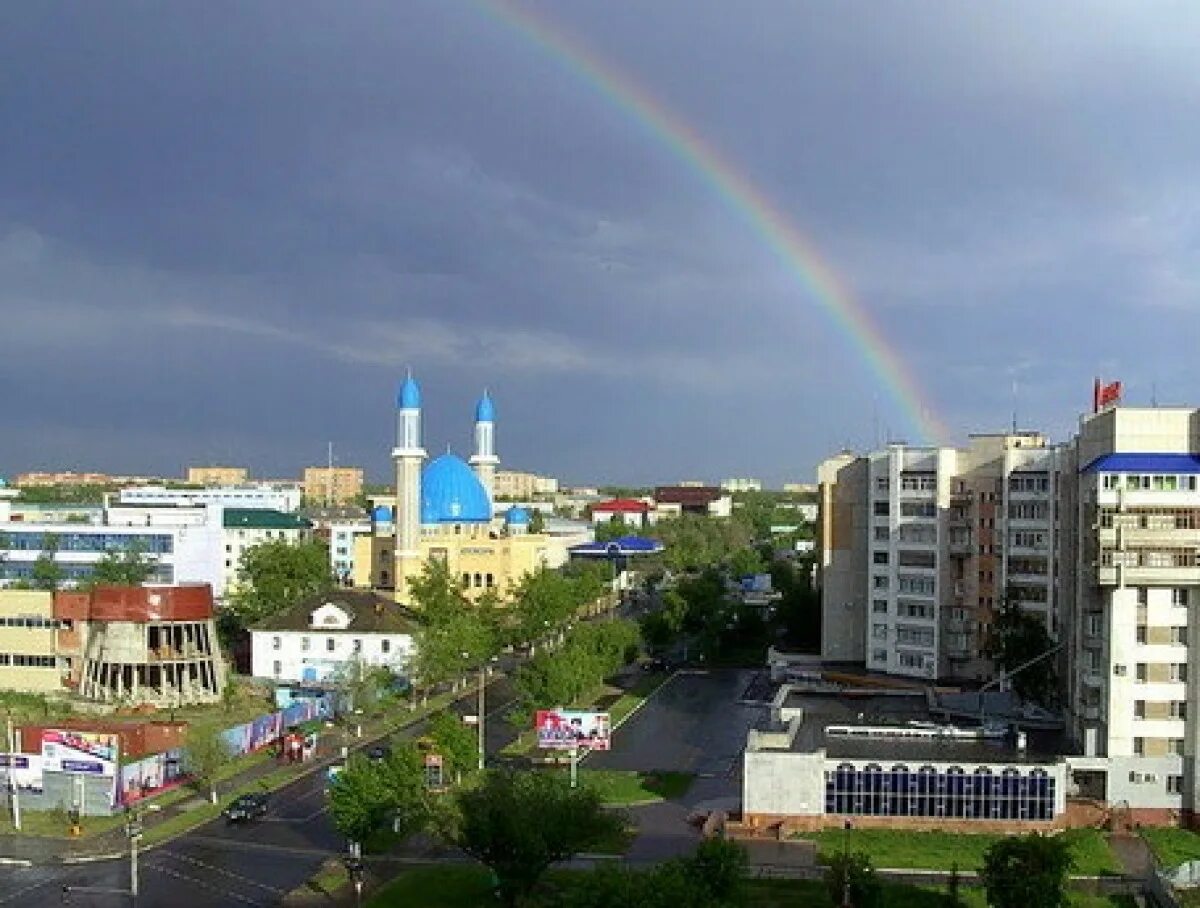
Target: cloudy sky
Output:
[(227, 228)]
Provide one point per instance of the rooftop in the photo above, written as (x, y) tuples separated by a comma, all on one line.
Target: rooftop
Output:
[(263, 519), (370, 613)]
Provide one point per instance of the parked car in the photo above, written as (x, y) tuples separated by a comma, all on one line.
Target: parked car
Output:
[(246, 807), (379, 752)]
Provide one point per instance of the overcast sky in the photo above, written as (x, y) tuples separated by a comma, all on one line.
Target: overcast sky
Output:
[(226, 228)]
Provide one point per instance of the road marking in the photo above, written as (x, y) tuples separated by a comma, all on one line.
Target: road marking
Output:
[(308, 819), (239, 845), (224, 893), (204, 865)]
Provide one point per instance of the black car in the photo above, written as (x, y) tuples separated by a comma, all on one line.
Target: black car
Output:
[(246, 807), (379, 752)]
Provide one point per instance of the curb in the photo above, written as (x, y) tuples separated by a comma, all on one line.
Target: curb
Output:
[(93, 858)]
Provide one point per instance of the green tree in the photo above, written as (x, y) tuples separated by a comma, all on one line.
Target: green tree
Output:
[(745, 562), (537, 522), (457, 743), (518, 825), (1017, 637), (852, 874), (369, 795), (274, 576), (613, 528), (1026, 872), (207, 753), (47, 574), (129, 567), (455, 634), (720, 866)]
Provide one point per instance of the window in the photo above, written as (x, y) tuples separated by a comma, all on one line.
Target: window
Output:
[(1141, 633), (879, 606), (1178, 709), (1179, 636), (277, 668), (1140, 672), (357, 646), (330, 644), (1143, 596), (1179, 596), (879, 655), (879, 557), (1139, 709), (880, 583), (881, 534), (385, 646), (1179, 671), (1175, 747), (1139, 747), (489, 580), (879, 631), (1175, 785), (881, 509), (276, 643), (304, 644)]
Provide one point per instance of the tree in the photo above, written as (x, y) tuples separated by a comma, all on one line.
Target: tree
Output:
[(1017, 637), (207, 754), (745, 562), (47, 574), (369, 795), (455, 634), (852, 874), (273, 576), (1026, 872), (456, 742), (537, 522), (720, 866), (130, 567), (613, 528), (520, 824), (366, 686)]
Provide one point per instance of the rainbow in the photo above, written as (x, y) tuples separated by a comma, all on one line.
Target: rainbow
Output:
[(781, 236)]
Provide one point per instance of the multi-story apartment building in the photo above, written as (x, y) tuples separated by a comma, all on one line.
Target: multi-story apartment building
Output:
[(1134, 584), (513, 485), (245, 528), (332, 485), (217, 476), (924, 544)]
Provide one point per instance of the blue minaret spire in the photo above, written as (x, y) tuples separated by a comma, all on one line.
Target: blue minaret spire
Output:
[(484, 460)]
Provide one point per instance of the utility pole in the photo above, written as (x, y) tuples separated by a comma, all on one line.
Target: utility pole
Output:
[(482, 736), (12, 775)]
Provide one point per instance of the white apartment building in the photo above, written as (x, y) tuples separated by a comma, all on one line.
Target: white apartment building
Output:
[(244, 528), (317, 639), (262, 495), (341, 545), (926, 542), (1135, 585)]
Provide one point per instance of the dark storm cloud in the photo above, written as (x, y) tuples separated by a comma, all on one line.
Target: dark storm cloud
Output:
[(226, 228)]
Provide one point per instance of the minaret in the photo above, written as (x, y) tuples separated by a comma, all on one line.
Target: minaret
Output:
[(484, 459), (407, 456)]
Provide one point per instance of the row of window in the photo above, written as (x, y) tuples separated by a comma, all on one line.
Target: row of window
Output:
[(23, 570), (20, 660), (33, 622), (1176, 708), (36, 541), (1150, 519), (1150, 558), (929, 792), (356, 644), (1174, 747), (1179, 596), (1177, 673), (1149, 482), (480, 580), (1028, 482), (1178, 635)]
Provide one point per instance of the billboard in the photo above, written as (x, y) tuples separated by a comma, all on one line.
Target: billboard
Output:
[(86, 752), (23, 769), (565, 729)]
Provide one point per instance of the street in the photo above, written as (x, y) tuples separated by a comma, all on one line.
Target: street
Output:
[(217, 864)]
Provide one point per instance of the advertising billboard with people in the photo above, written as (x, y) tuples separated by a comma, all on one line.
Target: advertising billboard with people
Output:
[(85, 752), (567, 729)]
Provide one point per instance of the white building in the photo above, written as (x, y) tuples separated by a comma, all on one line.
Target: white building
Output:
[(317, 639), (741, 484), (261, 495), (341, 543)]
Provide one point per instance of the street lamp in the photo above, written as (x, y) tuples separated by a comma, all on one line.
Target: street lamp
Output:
[(354, 866), (846, 903)]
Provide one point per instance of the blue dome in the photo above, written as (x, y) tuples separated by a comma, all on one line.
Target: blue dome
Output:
[(517, 517), (409, 397), (452, 493), (485, 410), (382, 514)]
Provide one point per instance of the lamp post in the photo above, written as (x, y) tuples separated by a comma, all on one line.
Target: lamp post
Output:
[(846, 903)]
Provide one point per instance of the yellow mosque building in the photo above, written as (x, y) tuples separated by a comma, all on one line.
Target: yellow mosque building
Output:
[(443, 511)]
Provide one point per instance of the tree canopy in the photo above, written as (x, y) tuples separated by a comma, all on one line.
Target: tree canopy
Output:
[(129, 567), (1017, 637), (1027, 872), (275, 575), (369, 795), (207, 752), (518, 825)]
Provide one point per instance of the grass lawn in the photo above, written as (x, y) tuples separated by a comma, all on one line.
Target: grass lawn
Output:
[(627, 787), (447, 886), (1172, 846), (942, 850), (468, 887)]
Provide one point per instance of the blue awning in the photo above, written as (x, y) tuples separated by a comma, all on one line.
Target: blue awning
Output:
[(1144, 463), (620, 547)]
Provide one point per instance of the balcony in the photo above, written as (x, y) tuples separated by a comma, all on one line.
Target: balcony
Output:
[(1112, 575), (1038, 580), (1113, 537)]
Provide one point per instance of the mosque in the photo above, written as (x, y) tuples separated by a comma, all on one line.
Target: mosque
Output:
[(443, 510)]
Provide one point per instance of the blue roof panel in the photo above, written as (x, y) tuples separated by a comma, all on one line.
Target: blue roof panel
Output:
[(1144, 463), (452, 493)]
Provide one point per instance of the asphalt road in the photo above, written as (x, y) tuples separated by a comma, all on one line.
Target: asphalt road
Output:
[(256, 863), (694, 723)]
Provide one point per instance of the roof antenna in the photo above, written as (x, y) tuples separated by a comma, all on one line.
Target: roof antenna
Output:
[(1154, 394), (1014, 406)]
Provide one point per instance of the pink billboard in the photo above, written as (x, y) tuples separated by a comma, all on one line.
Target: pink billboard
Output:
[(567, 729)]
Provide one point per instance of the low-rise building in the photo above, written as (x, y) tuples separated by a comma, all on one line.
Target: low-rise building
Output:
[(630, 511), (512, 485), (707, 501), (741, 484), (315, 640), (28, 655), (261, 495)]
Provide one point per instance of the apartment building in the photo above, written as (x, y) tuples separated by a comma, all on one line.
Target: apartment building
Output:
[(1134, 584), (332, 485), (217, 476), (244, 528), (512, 485), (918, 546), (261, 495)]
